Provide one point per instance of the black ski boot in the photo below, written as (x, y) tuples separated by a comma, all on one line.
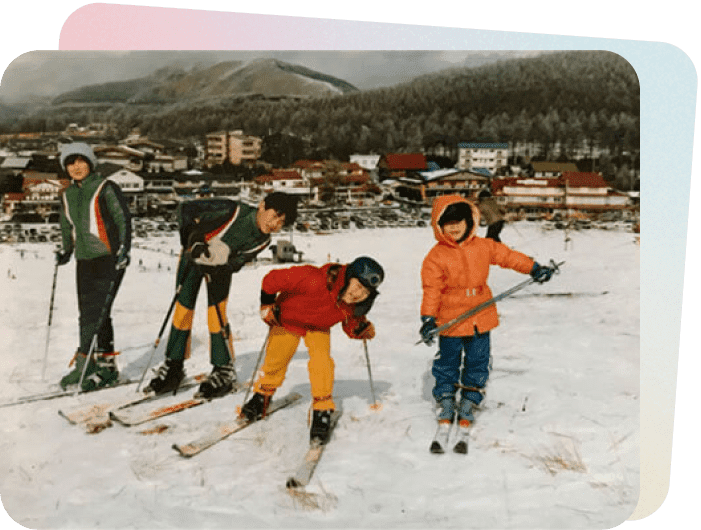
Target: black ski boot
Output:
[(168, 377), (321, 426), (256, 407), (219, 383)]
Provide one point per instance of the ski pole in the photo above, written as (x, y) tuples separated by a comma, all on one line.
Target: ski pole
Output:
[(487, 303), (375, 405), (255, 370), (178, 289), (111, 293), (48, 325)]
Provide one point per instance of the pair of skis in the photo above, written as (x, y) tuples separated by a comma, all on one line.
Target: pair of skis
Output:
[(96, 417), (55, 394), (442, 437)]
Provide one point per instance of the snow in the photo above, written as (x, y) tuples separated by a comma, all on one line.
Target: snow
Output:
[(555, 444)]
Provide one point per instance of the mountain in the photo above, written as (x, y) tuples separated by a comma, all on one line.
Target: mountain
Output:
[(265, 77)]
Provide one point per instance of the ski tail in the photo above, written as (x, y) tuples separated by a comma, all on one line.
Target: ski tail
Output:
[(304, 472), (220, 432)]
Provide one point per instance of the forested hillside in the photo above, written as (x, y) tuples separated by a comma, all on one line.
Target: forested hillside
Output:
[(562, 97)]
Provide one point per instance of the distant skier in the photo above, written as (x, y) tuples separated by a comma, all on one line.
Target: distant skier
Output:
[(454, 278), (218, 237), (304, 302), (492, 213), (96, 227)]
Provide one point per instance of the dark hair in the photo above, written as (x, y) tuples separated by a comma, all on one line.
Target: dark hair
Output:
[(457, 212), (72, 158), (284, 204)]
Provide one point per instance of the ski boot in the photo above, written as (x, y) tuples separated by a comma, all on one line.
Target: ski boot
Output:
[(105, 374), (446, 409), (78, 362), (168, 377), (219, 383), (256, 407), (321, 427), (465, 419)]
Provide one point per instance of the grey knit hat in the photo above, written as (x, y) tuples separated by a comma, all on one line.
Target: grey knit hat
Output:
[(78, 148)]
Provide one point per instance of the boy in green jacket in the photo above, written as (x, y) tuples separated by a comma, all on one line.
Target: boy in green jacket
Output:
[(96, 227)]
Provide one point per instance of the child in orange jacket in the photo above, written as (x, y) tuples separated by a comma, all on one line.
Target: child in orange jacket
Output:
[(454, 280), (305, 302)]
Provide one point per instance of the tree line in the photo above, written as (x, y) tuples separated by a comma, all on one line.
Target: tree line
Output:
[(564, 98)]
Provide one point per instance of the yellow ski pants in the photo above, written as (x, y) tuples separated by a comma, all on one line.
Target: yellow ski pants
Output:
[(281, 347)]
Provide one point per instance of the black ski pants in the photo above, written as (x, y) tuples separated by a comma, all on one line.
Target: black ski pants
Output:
[(94, 278)]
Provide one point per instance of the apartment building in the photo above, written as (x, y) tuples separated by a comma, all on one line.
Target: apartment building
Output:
[(489, 156), (233, 146)]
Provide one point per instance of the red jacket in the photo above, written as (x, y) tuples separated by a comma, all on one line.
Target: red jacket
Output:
[(308, 298), (454, 275)]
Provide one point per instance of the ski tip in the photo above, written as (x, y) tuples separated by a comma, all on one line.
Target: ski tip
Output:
[(292, 483), (181, 452), (460, 448), (436, 448), (376, 407)]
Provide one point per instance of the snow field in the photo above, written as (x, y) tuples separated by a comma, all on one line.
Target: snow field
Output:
[(555, 442)]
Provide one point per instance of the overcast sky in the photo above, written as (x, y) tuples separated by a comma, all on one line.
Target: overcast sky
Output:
[(48, 73)]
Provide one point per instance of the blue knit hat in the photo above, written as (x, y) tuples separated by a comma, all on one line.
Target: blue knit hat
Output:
[(79, 149)]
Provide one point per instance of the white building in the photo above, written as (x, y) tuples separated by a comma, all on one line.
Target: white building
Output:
[(367, 162), (490, 156)]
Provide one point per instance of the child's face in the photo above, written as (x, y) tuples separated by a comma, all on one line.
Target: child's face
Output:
[(269, 221), (455, 230), (355, 292), (78, 169)]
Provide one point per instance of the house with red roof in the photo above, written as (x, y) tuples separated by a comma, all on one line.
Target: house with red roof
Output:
[(587, 194), (287, 180), (398, 165)]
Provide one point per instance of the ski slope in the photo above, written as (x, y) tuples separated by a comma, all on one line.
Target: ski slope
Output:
[(555, 443)]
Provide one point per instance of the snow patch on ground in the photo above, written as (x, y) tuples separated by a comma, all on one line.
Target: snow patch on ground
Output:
[(555, 443)]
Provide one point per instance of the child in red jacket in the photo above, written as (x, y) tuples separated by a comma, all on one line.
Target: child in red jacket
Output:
[(304, 302), (454, 278)]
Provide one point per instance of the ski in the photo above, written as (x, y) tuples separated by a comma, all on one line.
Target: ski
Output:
[(224, 430), (134, 416), (461, 445), (311, 459), (440, 439), (54, 394), (98, 413)]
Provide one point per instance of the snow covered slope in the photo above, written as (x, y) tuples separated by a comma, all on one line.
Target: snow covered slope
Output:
[(554, 445)]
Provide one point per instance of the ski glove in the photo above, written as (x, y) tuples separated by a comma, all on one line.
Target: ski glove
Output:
[(122, 261), (427, 330), (541, 273), (270, 313), (364, 331), (211, 257), (62, 257)]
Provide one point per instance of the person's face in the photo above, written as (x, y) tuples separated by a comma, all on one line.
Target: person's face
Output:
[(269, 221), (355, 292), (78, 169), (455, 230)]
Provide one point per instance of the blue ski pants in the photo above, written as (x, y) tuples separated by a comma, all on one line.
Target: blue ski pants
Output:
[(451, 368)]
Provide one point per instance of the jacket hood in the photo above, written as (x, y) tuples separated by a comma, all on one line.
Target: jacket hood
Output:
[(78, 148), (439, 206)]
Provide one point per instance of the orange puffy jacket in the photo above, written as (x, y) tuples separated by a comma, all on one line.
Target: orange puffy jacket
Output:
[(454, 275)]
